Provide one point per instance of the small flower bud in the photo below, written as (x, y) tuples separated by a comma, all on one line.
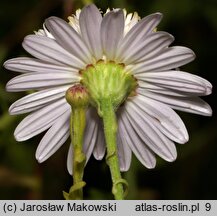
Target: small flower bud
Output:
[(77, 96)]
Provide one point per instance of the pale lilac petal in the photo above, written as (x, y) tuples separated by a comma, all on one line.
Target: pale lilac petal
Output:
[(70, 160), (186, 104), (68, 38), (178, 81), (55, 137), (100, 147), (138, 33), (146, 86), (151, 135), (37, 81), (167, 59), (90, 133), (112, 28), (164, 118), (37, 100), (49, 50), (132, 139), (124, 153), (90, 20), (40, 120), (26, 65), (150, 46)]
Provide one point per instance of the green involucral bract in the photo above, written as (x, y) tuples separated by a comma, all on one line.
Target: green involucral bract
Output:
[(108, 80)]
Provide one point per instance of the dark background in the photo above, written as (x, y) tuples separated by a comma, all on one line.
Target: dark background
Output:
[(192, 176)]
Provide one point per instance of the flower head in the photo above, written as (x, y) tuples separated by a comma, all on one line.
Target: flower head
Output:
[(67, 53)]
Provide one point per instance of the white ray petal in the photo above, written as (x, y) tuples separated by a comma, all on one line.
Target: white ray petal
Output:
[(36, 81), (90, 134), (148, 47), (49, 50), (167, 59), (70, 160), (37, 100), (178, 81), (90, 20), (124, 153), (169, 130), (40, 120), (112, 28), (55, 137), (146, 86), (68, 38), (151, 135), (128, 133), (171, 134), (100, 147), (186, 104), (167, 120), (138, 33), (26, 65)]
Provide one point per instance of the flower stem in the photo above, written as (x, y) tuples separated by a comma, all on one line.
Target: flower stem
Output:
[(78, 122), (110, 130), (78, 98)]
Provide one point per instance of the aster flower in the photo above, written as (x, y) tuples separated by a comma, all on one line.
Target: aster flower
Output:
[(67, 53)]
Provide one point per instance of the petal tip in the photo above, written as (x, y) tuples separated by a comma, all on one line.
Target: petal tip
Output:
[(192, 53), (69, 171), (11, 109), (183, 140), (27, 40), (7, 87), (99, 157), (39, 159), (172, 158), (18, 137), (209, 111), (124, 169), (208, 89), (39, 156), (115, 12), (151, 166), (5, 64), (89, 7), (159, 14), (51, 18)]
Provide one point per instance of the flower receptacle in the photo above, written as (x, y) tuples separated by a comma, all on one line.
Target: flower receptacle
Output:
[(108, 80)]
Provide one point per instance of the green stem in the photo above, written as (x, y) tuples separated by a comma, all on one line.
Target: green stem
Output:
[(77, 127), (110, 130)]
